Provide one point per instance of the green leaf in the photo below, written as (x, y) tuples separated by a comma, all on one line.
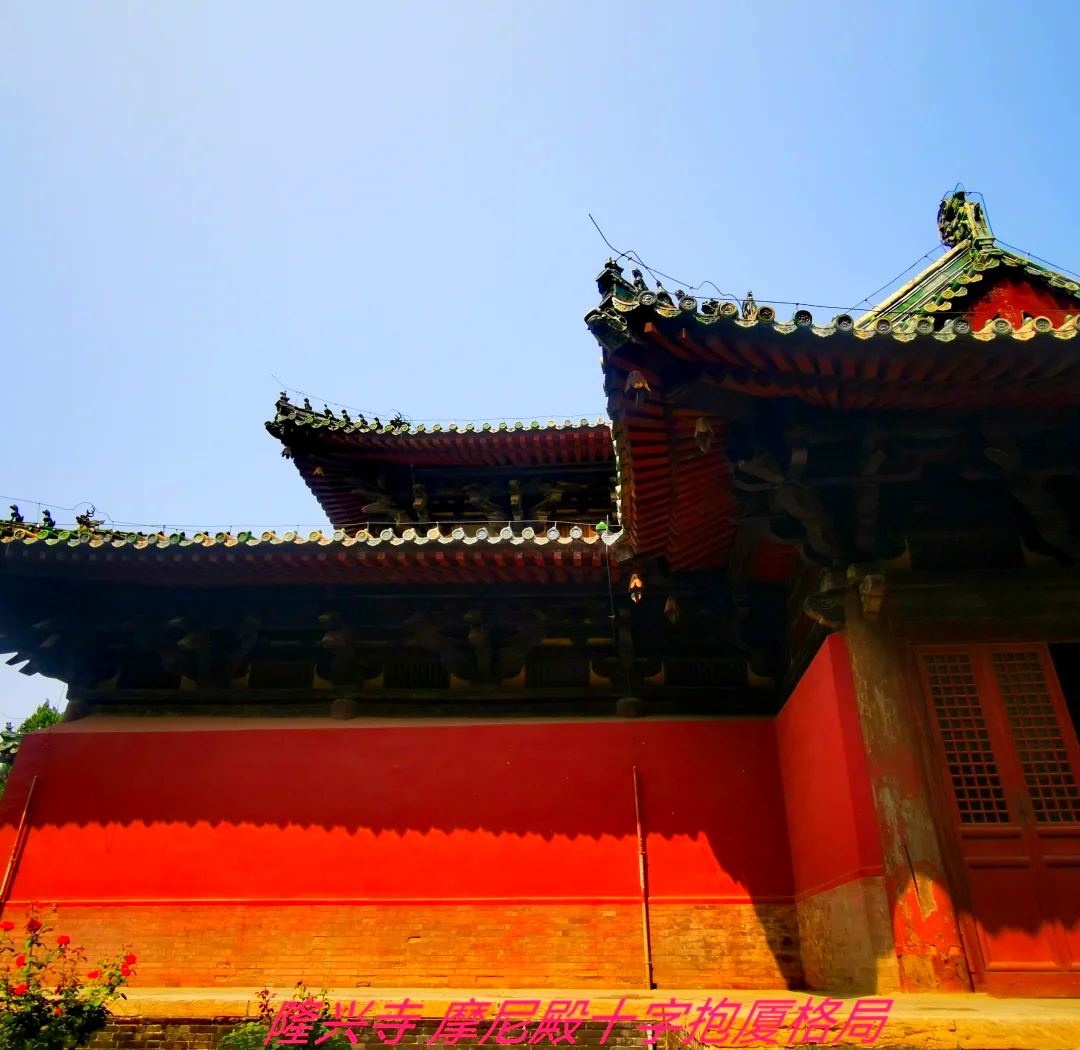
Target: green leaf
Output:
[(46, 715)]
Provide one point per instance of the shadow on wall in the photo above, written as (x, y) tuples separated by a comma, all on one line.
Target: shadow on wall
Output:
[(514, 812)]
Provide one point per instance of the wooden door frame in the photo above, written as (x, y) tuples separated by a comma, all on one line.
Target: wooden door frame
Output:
[(941, 805), (926, 637), (964, 608), (1044, 832)]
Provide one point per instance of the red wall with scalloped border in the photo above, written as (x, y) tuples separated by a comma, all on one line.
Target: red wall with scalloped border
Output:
[(435, 854)]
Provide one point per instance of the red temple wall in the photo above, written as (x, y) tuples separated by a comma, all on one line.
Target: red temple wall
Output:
[(832, 827), (1012, 298), (844, 926), (442, 854)]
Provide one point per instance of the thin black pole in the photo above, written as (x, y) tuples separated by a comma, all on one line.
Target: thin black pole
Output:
[(644, 886), (16, 844)]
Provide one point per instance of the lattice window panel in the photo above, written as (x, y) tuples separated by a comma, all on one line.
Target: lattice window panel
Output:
[(973, 770), (1037, 733)]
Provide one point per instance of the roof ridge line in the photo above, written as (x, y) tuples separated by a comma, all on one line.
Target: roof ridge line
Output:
[(415, 535), (306, 415)]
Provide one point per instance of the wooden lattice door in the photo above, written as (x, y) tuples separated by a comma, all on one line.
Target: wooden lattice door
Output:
[(1011, 760)]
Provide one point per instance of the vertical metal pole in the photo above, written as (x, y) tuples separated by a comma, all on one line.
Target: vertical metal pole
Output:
[(644, 886), (15, 845)]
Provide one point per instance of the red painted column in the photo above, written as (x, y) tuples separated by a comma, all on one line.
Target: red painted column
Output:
[(925, 930)]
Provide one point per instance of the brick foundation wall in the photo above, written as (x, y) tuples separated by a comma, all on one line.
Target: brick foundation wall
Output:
[(846, 939), (178, 1034), (575, 945), (725, 946)]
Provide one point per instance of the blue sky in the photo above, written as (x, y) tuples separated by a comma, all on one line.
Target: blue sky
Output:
[(387, 205)]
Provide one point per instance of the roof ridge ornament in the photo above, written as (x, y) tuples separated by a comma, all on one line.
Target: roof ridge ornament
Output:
[(749, 307), (612, 283), (960, 220)]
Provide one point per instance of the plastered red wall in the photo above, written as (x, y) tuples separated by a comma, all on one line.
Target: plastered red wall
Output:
[(521, 811), (830, 809), (1007, 297)]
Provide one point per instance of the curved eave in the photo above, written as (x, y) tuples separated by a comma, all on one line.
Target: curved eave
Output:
[(499, 444), (674, 496), (382, 558), (897, 366), (325, 451)]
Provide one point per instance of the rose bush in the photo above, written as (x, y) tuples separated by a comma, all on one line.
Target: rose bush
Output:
[(255, 1034), (48, 998), (251, 1035)]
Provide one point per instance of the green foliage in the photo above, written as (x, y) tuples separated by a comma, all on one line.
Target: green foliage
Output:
[(9, 745), (9, 748), (252, 1035), (247, 1036), (10, 737), (48, 1001), (46, 715)]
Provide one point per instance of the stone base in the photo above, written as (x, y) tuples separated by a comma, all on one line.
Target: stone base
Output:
[(846, 939)]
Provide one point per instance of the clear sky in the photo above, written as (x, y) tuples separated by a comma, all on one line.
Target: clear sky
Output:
[(386, 205)]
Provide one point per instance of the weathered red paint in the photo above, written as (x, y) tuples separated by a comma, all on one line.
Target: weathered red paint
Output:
[(1016, 300), (432, 813), (830, 809), (926, 932), (1021, 873)]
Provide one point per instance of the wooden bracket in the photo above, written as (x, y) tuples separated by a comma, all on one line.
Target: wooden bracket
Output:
[(871, 588), (826, 605)]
